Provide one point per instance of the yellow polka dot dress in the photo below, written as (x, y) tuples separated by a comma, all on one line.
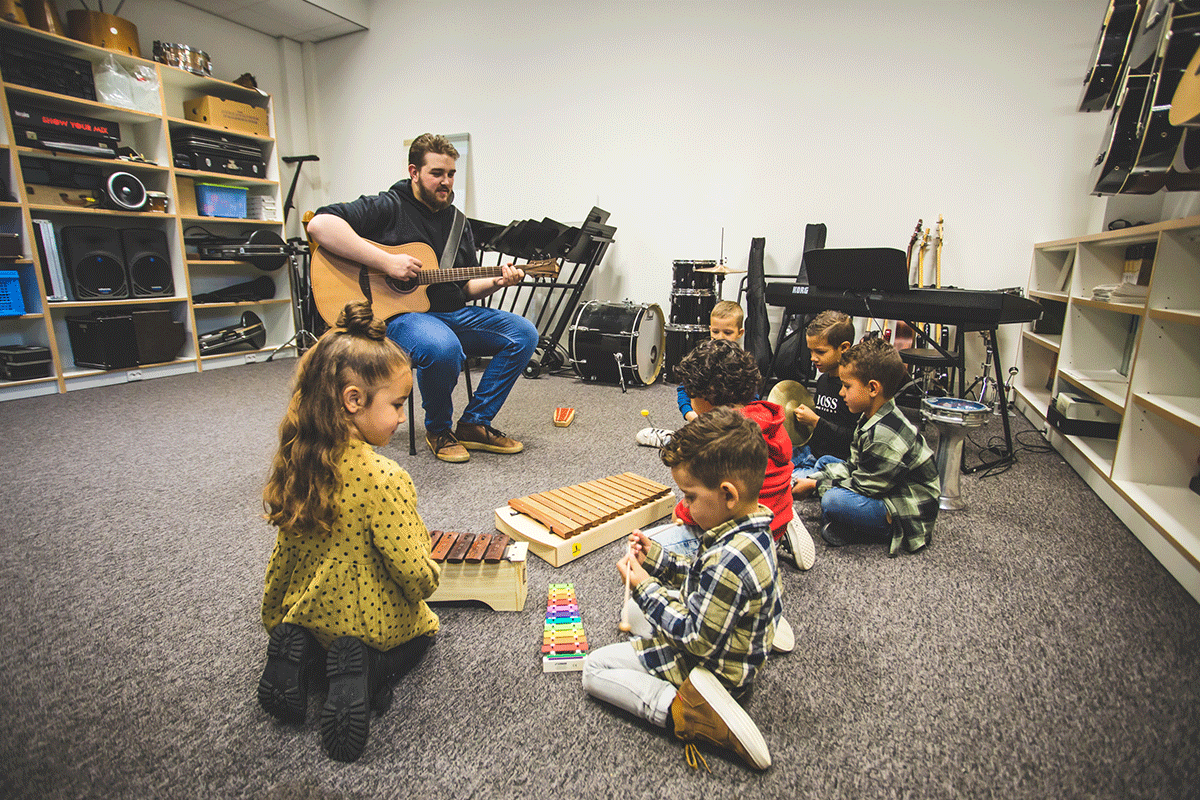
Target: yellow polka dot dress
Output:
[(370, 576)]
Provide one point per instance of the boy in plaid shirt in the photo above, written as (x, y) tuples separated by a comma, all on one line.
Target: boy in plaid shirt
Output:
[(887, 491), (711, 640)]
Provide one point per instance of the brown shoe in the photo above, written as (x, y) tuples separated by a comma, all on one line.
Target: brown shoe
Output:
[(704, 710), (446, 447), (485, 437)]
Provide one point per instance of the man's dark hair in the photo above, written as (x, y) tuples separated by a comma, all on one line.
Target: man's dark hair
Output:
[(430, 143)]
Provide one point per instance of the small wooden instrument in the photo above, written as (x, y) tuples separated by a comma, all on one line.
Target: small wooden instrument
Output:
[(337, 281), (488, 567), (563, 417), (104, 30), (564, 524)]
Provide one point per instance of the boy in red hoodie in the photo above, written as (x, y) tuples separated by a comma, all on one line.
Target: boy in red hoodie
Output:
[(719, 373)]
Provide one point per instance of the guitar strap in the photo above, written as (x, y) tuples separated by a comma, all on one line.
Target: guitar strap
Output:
[(451, 249)]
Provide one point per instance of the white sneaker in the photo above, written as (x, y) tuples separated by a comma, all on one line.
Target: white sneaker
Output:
[(785, 639), (800, 543), (653, 437)]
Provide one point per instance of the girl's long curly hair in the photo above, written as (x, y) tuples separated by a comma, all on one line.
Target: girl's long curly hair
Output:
[(304, 479)]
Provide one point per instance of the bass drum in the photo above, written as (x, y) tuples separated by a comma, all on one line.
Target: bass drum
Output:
[(617, 342)]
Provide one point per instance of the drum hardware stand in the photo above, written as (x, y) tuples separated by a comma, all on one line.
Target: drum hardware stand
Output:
[(984, 381), (620, 359), (303, 338)]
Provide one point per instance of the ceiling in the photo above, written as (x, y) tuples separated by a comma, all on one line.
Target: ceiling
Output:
[(299, 20)]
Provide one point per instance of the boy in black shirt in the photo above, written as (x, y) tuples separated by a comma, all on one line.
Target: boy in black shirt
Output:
[(830, 334)]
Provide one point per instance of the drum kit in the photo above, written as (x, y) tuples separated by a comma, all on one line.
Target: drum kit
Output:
[(626, 342)]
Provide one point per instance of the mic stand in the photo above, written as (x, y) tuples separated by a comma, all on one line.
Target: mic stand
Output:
[(303, 338)]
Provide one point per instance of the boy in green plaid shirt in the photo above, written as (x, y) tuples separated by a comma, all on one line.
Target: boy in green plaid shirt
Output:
[(711, 640), (888, 490)]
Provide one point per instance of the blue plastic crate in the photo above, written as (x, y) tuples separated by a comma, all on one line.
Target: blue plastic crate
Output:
[(217, 200), (12, 304)]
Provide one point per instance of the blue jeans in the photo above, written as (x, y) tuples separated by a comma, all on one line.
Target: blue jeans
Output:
[(865, 515), (440, 341), (813, 466), (681, 539)]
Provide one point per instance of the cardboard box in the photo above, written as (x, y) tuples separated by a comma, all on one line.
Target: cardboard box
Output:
[(228, 114), (187, 197)]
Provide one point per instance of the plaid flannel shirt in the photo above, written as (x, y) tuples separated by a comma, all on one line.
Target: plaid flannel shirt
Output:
[(890, 460), (728, 606)]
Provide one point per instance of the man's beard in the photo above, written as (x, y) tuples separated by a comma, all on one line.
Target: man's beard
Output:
[(432, 200)]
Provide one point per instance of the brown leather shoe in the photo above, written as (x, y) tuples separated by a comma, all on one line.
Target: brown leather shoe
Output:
[(704, 710), (485, 437), (446, 447)]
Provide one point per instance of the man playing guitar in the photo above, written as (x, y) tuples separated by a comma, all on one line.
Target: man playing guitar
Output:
[(438, 340)]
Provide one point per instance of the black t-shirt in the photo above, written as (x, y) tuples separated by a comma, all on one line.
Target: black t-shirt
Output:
[(835, 426), (396, 217)]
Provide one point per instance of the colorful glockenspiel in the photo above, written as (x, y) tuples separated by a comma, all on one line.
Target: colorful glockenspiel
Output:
[(564, 642)]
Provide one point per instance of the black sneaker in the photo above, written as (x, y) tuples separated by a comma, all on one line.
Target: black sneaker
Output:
[(294, 660), (836, 534), (346, 718)]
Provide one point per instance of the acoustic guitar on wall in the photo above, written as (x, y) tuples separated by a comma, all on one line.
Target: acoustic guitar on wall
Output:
[(337, 281)]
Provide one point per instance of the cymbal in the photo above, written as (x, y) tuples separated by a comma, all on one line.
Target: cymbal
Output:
[(790, 395), (720, 269)]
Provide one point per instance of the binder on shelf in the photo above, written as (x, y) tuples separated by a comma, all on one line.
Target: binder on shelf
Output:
[(52, 270)]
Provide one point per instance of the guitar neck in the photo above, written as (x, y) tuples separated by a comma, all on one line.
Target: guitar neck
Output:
[(428, 276)]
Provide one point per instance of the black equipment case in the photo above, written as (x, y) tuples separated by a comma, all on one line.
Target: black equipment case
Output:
[(214, 151)]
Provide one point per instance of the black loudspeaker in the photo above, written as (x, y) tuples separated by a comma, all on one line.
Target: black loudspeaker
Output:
[(125, 192), (96, 262), (148, 262)]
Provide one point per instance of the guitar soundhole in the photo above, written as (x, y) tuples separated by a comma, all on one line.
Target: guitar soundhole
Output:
[(403, 287)]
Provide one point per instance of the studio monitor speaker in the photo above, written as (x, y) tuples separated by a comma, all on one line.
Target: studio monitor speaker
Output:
[(95, 261), (148, 261)]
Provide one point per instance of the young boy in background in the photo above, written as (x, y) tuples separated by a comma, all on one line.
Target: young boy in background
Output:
[(830, 334), (703, 649), (725, 321), (888, 489)]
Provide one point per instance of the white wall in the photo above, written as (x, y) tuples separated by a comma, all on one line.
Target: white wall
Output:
[(683, 118), (686, 118)]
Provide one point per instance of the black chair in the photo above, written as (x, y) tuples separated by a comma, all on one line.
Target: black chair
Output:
[(412, 425)]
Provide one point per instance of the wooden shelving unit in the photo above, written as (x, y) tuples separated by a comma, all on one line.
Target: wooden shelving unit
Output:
[(150, 135), (1140, 360)]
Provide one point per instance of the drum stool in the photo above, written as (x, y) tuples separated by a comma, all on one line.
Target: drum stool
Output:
[(952, 417), (927, 358)]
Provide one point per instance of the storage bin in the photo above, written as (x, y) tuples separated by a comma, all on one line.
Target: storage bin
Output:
[(23, 362), (12, 304), (216, 200)]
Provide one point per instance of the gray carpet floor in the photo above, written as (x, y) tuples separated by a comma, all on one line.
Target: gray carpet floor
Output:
[(1035, 650)]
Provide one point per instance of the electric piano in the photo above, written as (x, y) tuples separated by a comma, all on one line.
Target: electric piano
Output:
[(966, 309), (970, 309)]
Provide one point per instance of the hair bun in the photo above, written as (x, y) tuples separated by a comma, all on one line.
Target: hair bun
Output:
[(358, 319)]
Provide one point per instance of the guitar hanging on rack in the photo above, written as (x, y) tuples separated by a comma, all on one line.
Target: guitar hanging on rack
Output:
[(904, 334), (1110, 55), (943, 331), (921, 277), (337, 281)]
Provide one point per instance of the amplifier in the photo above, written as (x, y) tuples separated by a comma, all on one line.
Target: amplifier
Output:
[(51, 130), (26, 62)]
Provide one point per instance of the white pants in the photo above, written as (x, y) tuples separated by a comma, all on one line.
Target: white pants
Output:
[(615, 674)]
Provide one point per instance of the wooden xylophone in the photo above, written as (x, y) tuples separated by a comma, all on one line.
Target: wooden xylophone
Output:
[(488, 567), (564, 524)]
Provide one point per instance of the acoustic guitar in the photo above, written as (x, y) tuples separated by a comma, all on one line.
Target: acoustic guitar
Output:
[(1110, 55), (337, 281)]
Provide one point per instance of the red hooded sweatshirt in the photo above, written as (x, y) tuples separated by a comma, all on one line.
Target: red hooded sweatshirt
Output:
[(776, 491)]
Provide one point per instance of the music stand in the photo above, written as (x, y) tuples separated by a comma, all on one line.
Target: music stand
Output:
[(296, 247)]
